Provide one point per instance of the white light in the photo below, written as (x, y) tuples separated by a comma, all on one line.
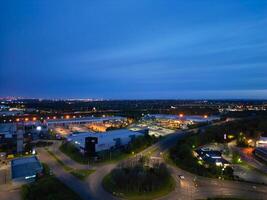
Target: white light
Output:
[(33, 152), (38, 128), (28, 177)]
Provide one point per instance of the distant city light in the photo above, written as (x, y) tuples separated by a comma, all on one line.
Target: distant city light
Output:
[(181, 115), (38, 128)]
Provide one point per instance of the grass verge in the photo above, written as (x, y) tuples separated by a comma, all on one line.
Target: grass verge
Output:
[(82, 174), (47, 187), (66, 168)]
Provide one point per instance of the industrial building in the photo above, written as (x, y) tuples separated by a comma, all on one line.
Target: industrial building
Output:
[(25, 169), (91, 143), (261, 152), (262, 142), (84, 120), (191, 118), (211, 157), (11, 137)]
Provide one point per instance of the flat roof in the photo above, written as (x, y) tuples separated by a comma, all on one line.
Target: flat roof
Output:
[(113, 133), (83, 119), (25, 167), (105, 137), (262, 149), (196, 118)]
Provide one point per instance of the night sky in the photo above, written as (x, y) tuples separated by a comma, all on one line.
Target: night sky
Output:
[(125, 49)]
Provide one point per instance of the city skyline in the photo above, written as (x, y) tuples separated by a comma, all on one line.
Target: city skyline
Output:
[(129, 50)]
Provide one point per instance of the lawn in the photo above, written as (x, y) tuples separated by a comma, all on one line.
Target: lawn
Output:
[(82, 174), (47, 188), (108, 156), (73, 153), (66, 168)]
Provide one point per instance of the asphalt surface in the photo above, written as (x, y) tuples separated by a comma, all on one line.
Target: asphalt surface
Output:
[(192, 187), (80, 187)]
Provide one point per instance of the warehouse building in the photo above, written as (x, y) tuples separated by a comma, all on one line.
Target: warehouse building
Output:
[(262, 142), (191, 118), (92, 143), (25, 169), (84, 120), (261, 153)]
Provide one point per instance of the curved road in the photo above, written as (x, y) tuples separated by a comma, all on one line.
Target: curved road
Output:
[(192, 187)]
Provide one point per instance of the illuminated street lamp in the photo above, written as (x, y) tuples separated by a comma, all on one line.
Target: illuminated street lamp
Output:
[(181, 115)]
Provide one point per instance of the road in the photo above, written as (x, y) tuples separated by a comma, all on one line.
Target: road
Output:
[(72, 182), (197, 187), (9, 192), (193, 187)]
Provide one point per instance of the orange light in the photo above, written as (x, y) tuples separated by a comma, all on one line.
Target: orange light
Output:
[(26, 119), (205, 116), (181, 115), (34, 119), (17, 120), (67, 116)]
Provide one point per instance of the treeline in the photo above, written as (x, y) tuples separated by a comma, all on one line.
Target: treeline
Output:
[(138, 176), (141, 142), (182, 156), (246, 128), (182, 153)]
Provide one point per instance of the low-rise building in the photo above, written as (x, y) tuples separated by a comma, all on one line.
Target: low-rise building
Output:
[(84, 120), (25, 169), (261, 152), (211, 157), (262, 142), (91, 143)]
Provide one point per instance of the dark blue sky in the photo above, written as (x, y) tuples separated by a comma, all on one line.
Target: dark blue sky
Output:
[(133, 49)]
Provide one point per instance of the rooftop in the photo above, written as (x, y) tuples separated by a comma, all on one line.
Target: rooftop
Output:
[(25, 167), (92, 119)]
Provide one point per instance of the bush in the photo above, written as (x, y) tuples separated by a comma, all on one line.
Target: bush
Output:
[(182, 156), (139, 179), (47, 188), (138, 176)]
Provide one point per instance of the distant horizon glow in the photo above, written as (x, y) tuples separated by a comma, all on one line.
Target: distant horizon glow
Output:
[(153, 49)]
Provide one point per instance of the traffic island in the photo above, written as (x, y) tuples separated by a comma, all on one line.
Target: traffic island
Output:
[(139, 178)]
